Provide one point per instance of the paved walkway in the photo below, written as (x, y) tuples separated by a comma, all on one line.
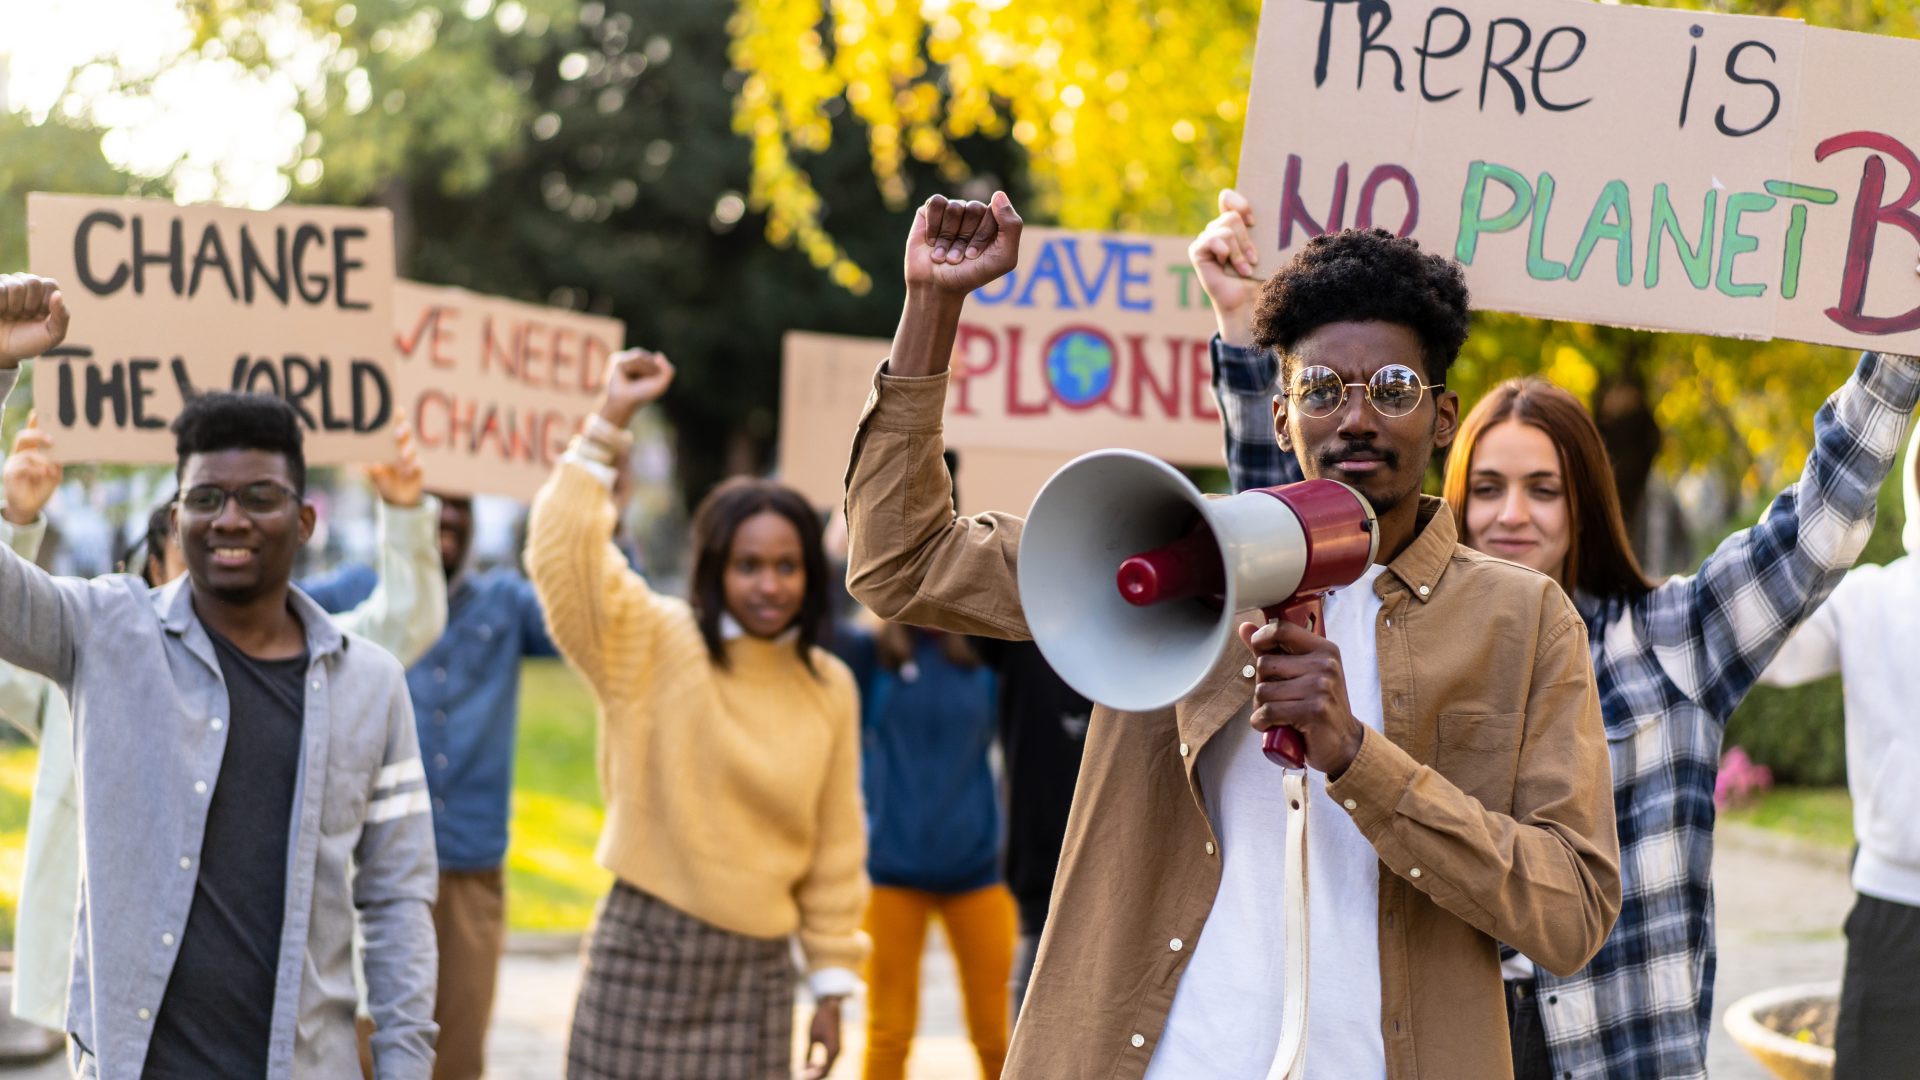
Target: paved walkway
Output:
[(1779, 922)]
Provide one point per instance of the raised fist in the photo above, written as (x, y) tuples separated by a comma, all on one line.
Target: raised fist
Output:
[(1224, 257), (635, 378), (956, 247), (33, 318)]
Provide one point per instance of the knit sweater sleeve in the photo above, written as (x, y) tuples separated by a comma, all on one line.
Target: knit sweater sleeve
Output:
[(601, 614), (832, 897)]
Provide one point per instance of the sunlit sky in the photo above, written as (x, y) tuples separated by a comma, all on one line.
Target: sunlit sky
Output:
[(230, 132)]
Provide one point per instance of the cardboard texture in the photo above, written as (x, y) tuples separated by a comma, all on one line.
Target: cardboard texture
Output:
[(1671, 170), (171, 300), (494, 388), (1096, 340)]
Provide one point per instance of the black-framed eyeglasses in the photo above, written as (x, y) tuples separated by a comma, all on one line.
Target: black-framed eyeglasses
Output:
[(1394, 390), (262, 498)]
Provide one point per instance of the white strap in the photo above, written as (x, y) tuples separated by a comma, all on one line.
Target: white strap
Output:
[(1290, 1057)]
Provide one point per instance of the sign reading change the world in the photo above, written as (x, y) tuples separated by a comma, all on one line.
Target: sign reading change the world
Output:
[(1673, 170)]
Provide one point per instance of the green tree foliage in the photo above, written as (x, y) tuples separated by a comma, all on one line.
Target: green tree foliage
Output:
[(589, 162)]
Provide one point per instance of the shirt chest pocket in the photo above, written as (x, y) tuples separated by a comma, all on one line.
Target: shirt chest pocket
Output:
[(1480, 754), (348, 786)]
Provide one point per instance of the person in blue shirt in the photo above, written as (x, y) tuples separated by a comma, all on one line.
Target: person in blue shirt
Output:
[(466, 705), (928, 714)]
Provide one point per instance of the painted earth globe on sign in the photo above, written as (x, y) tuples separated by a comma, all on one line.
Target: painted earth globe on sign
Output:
[(1080, 367)]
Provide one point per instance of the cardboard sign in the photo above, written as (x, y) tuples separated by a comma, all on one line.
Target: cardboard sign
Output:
[(1672, 170), (494, 388), (169, 301)]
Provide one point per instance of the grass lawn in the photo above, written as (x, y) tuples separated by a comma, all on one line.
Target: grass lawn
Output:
[(1823, 815), (552, 881)]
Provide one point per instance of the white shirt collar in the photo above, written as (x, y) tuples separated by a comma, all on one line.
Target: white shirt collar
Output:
[(730, 629)]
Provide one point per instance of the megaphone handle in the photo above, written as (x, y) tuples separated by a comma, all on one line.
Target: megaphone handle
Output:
[(1283, 745)]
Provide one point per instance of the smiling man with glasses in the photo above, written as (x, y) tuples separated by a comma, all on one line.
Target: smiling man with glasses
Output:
[(249, 777)]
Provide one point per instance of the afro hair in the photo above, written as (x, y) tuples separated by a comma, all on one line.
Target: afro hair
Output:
[(225, 420), (1366, 276)]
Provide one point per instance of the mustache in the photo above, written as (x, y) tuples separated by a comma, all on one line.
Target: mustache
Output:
[(1332, 456)]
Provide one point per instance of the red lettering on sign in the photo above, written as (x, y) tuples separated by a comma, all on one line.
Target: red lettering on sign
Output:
[(1869, 214)]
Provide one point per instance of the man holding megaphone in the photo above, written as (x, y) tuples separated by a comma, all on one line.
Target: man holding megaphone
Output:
[(1459, 787)]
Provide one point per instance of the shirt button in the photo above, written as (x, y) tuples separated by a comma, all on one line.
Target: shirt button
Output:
[(199, 787), (439, 805), (145, 1014), (1351, 805), (1210, 847), (314, 685), (439, 674), (439, 761), (439, 716), (1424, 590), (1183, 749), (216, 723), (186, 863), (486, 632), (1415, 872), (1176, 944), (166, 939), (1247, 672), (1138, 1039)]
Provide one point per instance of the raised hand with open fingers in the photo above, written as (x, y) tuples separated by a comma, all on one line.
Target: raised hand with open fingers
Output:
[(33, 318), (957, 246), (31, 475), (400, 482)]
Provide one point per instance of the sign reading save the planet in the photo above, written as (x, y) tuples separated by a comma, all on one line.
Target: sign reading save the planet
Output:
[(1095, 340)]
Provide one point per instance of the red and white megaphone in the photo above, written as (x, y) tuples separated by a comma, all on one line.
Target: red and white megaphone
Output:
[(1130, 577)]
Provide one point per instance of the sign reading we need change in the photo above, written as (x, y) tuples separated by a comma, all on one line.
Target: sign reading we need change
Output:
[(1673, 170), (1095, 340), (494, 388), (169, 301)]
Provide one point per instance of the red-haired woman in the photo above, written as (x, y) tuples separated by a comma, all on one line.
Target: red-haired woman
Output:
[(1528, 480)]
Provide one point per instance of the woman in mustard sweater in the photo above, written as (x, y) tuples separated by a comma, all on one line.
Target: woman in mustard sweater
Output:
[(729, 760)]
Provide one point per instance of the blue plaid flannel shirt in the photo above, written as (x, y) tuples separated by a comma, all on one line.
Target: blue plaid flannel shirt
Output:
[(1671, 666)]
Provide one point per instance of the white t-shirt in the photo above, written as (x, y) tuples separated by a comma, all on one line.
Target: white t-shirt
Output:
[(1226, 1016)]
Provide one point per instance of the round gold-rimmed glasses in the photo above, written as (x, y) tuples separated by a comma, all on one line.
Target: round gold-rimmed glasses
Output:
[(1394, 390)]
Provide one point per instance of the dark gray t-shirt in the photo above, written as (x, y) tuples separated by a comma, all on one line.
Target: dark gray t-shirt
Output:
[(217, 1016)]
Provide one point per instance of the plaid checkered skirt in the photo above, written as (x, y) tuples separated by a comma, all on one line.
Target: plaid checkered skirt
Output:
[(666, 996)]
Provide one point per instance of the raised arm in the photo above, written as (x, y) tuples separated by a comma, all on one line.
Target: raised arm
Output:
[(591, 597), (394, 886), (1717, 630), (45, 615), (1224, 257), (910, 556), (407, 610), (27, 482)]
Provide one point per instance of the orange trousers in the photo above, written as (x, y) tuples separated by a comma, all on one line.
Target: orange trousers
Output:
[(981, 926)]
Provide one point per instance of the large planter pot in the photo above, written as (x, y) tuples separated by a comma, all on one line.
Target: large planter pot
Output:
[(1757, 1021)]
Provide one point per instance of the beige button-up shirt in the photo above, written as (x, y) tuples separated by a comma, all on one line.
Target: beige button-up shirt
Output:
[(1488, 799)]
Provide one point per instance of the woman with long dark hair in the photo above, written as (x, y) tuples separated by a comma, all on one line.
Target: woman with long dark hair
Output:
[(729, 760), (1528, 480)]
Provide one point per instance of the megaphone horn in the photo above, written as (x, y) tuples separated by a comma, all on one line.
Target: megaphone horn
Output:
[(1130, 577)]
